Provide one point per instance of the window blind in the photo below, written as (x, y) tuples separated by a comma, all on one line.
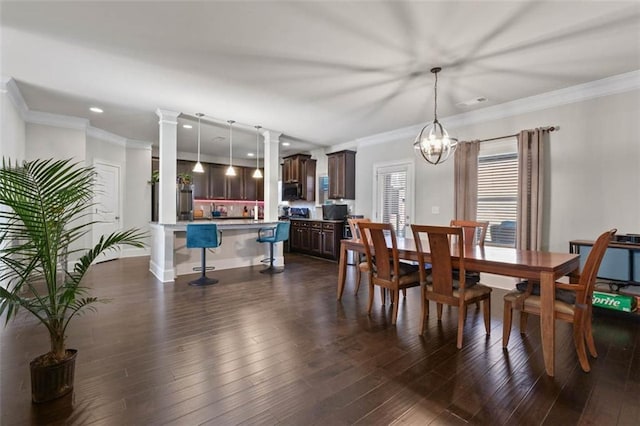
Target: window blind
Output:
[(394, 191), (498, 196)]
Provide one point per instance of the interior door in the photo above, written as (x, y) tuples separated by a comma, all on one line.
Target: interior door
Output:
[(106, 210), (393, 195)]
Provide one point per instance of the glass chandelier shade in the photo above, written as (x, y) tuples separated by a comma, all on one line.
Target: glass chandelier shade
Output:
[(257, 174), (433, 142), (198, 167), (230, 170)]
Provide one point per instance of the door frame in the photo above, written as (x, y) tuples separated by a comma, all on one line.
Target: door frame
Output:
[(408, 165), (94, 214)]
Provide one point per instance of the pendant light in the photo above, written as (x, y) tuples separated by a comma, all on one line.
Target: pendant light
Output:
[(230, 170), (433, 141), (198, 167), (257, 174)]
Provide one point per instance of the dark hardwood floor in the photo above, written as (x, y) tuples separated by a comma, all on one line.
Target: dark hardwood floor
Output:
[(258, 349)]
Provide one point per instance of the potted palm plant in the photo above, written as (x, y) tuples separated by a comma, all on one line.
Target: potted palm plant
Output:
[(44, 214)]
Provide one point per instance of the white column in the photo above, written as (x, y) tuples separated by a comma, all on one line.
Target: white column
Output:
[(168, 165), (271, 169)]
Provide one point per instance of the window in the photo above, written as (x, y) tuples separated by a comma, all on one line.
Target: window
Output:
[(392, 195), (498, 191)]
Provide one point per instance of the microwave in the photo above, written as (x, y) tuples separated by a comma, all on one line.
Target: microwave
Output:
[(291, 191)]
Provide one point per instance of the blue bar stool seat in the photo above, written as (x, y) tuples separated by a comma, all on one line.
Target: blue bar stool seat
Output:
[(203, 236), (273, 235)]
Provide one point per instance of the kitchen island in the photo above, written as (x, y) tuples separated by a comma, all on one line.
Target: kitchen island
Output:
[(171, 258)]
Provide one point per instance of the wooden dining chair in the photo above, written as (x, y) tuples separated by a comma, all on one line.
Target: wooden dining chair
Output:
[(441, 287), (363, 265), (573, 302), (475, 232), (385, 268)]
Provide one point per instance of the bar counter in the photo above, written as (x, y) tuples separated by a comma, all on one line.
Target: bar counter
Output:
[(171, 258)]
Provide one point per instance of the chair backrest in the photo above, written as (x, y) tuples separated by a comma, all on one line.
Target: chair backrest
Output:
[(474, 232), (353, 226), (440, 247), (591, 266), (386, 264), (282, 231), (202, 235)]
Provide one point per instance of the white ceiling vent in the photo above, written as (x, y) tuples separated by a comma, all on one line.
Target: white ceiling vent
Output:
[(472, 102)]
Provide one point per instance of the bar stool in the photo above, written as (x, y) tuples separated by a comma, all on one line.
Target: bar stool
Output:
[(203, 237), (273, 235)]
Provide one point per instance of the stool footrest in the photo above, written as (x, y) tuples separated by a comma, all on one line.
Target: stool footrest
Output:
[(199, 268)]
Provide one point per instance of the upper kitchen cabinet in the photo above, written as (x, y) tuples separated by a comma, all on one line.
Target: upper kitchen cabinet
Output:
[(253, 188), (217, 182), (293, 168), (199, 180), (301, 169), (342, 174)]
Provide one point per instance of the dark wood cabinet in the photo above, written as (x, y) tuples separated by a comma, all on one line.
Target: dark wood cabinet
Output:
[(213, 184), (253, 188), (330, 242), (299, 236), (217, 182), (301, 169), (235, 185), (293, 168), (198, 180), (316, 237), (342, 175)]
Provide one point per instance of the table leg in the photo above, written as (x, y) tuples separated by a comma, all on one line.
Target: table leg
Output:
[(548, 320), (342, 270)]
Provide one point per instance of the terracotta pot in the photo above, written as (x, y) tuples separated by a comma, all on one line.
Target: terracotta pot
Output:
[(49, 382)]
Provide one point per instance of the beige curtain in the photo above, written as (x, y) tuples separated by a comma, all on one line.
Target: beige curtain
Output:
[(466, 180), (531, 145)]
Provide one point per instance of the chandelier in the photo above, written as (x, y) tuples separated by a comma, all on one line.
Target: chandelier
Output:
[(433, 141)]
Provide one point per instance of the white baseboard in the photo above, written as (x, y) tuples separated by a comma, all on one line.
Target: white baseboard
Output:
[(135, 252), (166, 276)]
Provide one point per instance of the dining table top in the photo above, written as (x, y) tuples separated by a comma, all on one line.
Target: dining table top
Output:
[(488, 256)]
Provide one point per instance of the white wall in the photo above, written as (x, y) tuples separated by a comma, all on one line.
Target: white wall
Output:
[(137, 195), (43, 141), (12, 136), (593, 168)]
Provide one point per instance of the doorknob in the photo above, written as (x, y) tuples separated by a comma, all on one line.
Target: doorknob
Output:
[(117, 217)]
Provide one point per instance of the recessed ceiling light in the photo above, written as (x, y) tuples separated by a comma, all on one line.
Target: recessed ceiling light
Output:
[(96, 109), (285, 144), (187, 126), (250, 154)]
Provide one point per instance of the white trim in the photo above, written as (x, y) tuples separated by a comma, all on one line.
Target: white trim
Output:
[(105, 136), (10, 87), (621, 83), (135, 252), (407, 164), (121, 179), (137, 144), (56, 120)]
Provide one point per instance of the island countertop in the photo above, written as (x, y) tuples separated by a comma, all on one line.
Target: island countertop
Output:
[(222, 224)]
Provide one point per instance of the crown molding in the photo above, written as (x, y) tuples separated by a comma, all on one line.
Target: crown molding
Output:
[(56, 120), (10, 87), (137, 144), (616, 84)]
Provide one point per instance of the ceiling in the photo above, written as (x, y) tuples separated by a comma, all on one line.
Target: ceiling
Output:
[(322, 73)]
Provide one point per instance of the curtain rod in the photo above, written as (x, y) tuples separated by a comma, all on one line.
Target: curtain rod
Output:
[(550, 128)]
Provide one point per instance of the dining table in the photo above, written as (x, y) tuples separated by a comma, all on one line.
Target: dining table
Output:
[(545, 267)]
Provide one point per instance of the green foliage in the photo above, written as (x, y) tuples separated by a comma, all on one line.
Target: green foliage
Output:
[(45, 208)]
